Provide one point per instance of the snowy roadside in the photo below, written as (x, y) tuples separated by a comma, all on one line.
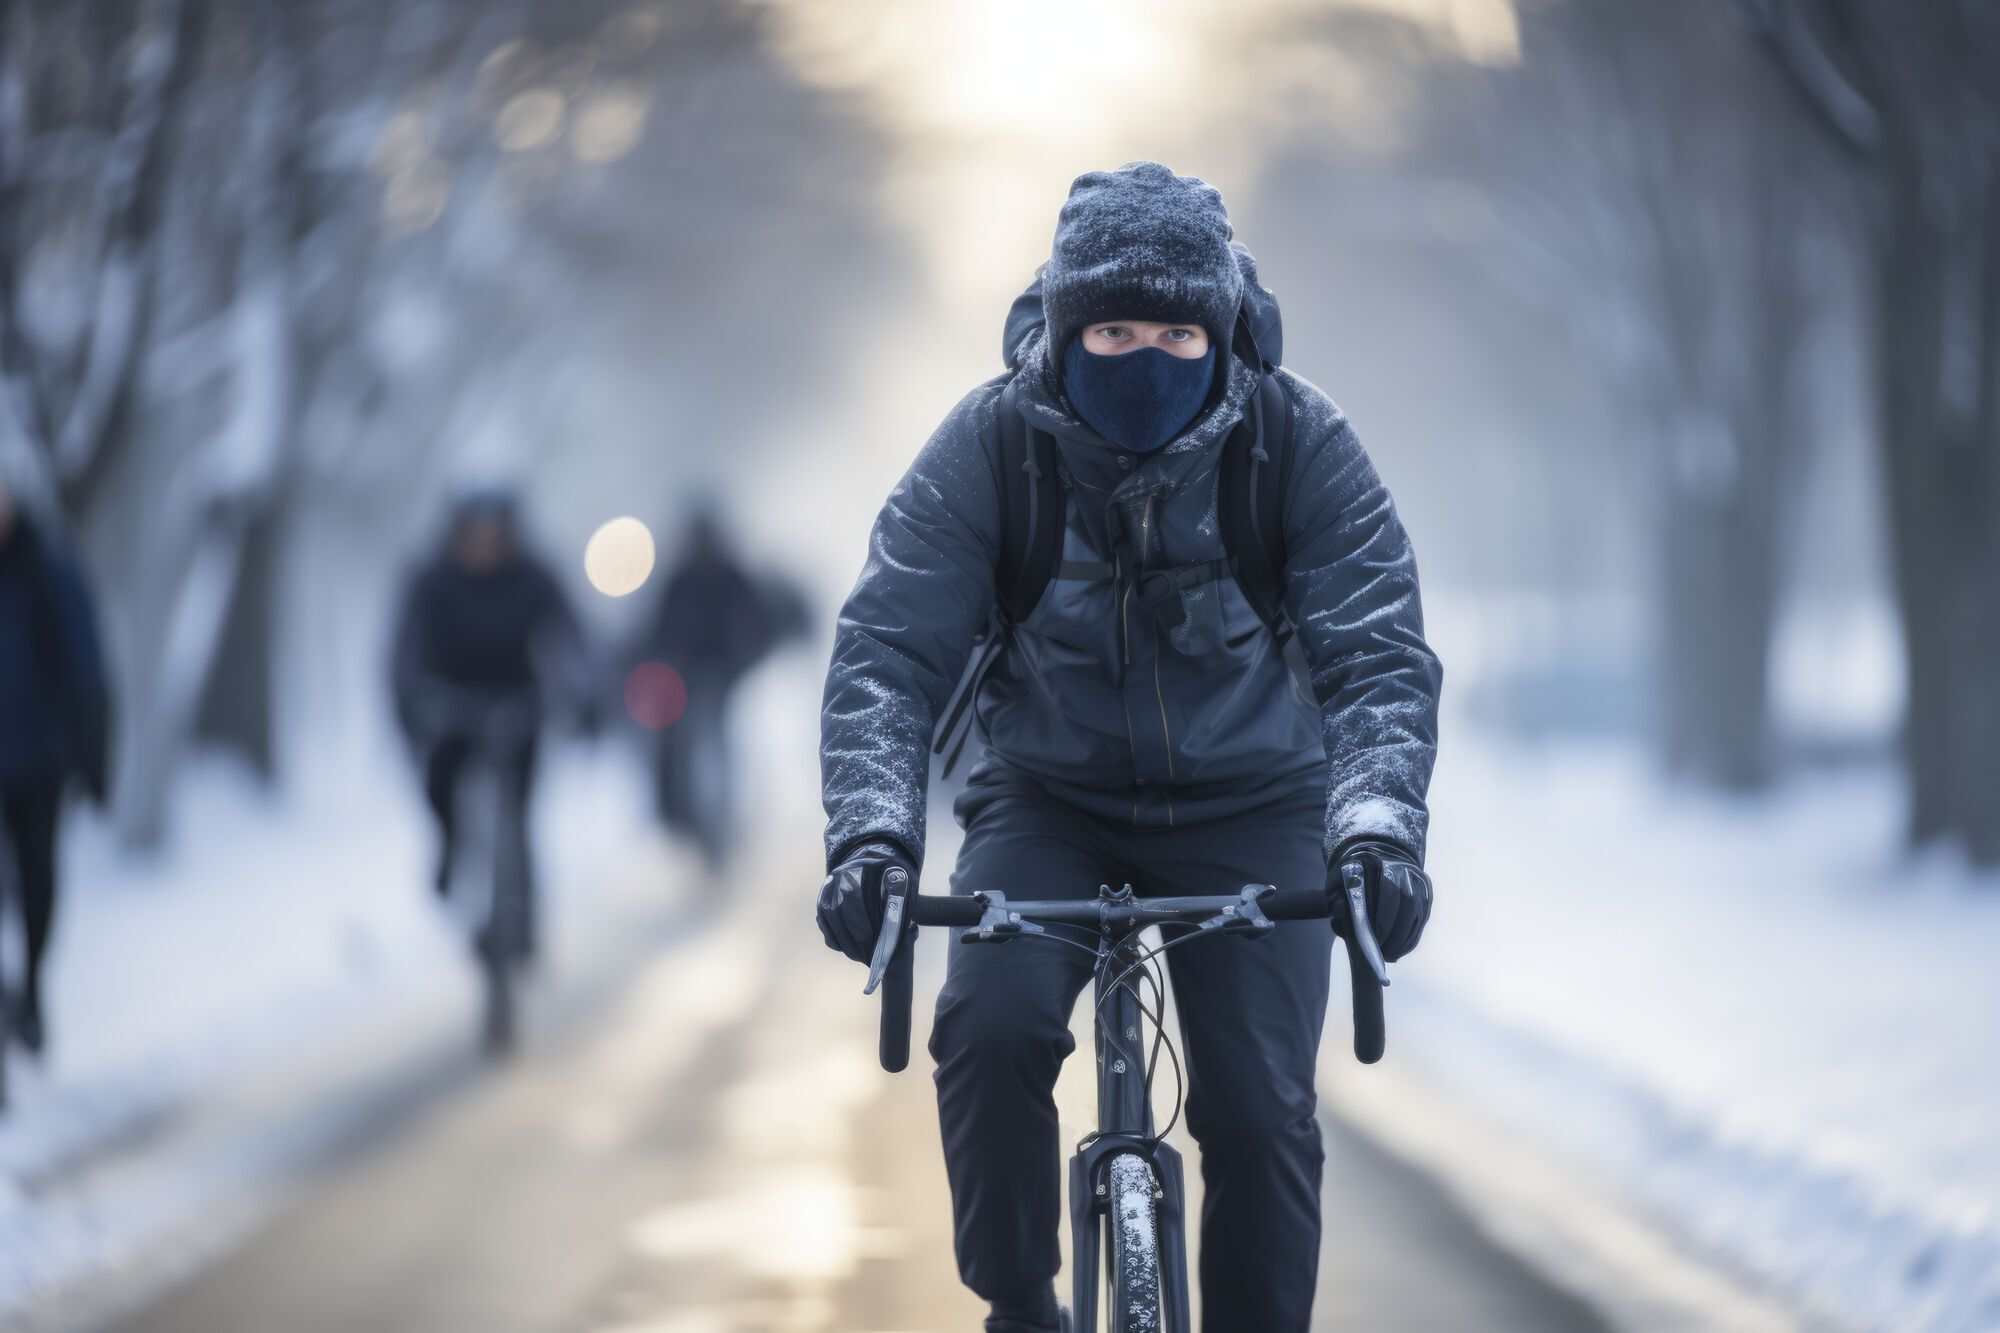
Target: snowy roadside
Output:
[(1750, 1020), (222, 1015)]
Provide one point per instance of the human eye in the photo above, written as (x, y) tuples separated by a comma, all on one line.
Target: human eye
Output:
[(1179, 335)]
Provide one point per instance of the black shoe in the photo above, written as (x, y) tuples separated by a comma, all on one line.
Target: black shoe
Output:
[(1035, 1316), (1005, 1324)]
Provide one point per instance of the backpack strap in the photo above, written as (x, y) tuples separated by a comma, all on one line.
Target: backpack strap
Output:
[(1032, 520), (1250, 500), (1031, 498)]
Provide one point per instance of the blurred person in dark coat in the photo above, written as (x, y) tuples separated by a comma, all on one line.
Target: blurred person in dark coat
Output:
[(485, 640), (714, 622), (54, 725)]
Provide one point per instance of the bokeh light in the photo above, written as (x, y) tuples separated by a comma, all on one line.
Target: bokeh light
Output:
[(608, 122), (618, 559), (655, 695), (530, 119)]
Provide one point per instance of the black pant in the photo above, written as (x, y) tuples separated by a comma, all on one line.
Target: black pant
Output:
[(693, 773), (30, 811), (1250, 1015), (446, 765)]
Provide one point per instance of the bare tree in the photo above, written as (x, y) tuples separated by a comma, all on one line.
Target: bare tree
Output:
[(266, 264), (1648, 185), (1911, 93), (200, 230), (87, 95), (276, 234)]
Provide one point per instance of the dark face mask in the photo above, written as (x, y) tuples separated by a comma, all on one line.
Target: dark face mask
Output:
[(1138, 400)]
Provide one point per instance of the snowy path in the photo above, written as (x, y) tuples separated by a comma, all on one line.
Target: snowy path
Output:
[(1627, 1078), (225, 1017), (757, 1173)]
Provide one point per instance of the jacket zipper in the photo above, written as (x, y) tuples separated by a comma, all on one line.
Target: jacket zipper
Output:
[(1120, 594), (1159, 695)]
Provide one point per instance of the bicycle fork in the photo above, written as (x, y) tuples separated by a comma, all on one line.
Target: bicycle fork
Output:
[(1125, 1125)]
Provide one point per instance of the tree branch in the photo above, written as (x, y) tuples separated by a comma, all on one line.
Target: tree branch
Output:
[(1789, 35)]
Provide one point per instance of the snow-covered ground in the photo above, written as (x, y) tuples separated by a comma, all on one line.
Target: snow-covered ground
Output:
[(1754, 1021), (1759, 1020), (235, 1001)]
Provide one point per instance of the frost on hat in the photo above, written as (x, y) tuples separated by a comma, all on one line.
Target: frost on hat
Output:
[(1141, 243)]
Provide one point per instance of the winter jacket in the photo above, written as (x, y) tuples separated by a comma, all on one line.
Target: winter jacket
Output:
[(716, 620), (504, 631), (54, 698), (1155, 719)]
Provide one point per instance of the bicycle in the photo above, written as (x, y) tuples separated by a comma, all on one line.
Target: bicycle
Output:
[(1125, 1181), (497, 908)]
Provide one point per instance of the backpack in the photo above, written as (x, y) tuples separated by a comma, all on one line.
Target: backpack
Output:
[(1254, 477)]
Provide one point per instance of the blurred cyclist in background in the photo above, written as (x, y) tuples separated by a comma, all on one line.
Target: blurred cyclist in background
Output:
[(484, 643), (54, 726), (715, 621)]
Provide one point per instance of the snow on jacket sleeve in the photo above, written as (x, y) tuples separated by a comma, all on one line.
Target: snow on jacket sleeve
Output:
[(906, 631), (1351, 590)]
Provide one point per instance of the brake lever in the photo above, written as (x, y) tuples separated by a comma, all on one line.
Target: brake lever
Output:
[(895, 894), (1361, 933)]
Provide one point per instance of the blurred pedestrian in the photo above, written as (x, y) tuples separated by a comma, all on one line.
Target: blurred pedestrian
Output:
[(714, 622), (54, 726), (485, 643)]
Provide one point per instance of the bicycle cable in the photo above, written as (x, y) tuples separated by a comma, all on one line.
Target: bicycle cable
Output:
[(1144, 964), (1180, 1081)]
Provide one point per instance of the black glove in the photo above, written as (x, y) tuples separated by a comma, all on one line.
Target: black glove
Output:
[(1399, 892), (850, 902)]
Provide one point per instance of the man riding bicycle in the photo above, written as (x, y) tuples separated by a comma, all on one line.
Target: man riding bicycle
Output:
[(1142, 721), (483, 637)]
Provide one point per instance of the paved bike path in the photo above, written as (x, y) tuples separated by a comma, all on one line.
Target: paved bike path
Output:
[(719, 1154)]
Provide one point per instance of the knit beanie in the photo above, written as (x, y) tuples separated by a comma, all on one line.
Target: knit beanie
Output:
[(1142, 243)]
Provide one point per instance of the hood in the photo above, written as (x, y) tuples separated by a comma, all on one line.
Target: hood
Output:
[(1260, 315)]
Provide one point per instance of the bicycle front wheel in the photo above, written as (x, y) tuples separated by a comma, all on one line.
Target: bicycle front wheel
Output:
[(1133, 1223)]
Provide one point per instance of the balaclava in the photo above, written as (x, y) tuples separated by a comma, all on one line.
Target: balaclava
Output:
[(1137, 400), (1140, 243)]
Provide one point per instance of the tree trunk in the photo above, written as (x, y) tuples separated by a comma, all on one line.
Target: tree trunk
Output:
[(1909, 326), (237, 706), (1975, 783), (1718, 589), (1945, 506)]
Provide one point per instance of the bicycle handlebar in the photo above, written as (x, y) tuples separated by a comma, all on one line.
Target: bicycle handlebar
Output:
[(935, 909), (994, 917)]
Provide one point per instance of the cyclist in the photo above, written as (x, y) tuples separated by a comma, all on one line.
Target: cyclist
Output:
[(1159, 740), (716, 620), (483, 637), (54, 714)]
